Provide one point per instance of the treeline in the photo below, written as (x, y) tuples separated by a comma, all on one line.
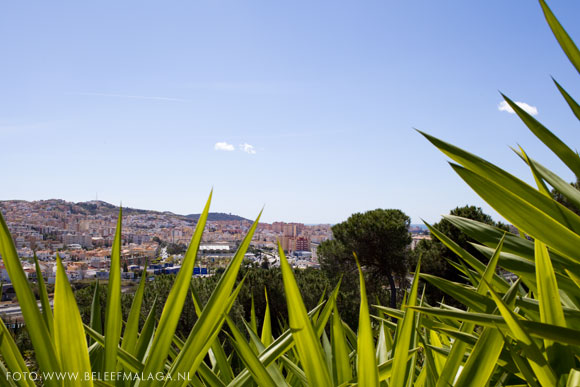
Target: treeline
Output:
[(380, 238), (313, 284)]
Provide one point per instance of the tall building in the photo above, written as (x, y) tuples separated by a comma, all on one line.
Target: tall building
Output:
[(289, 230), (291, 243), (277, 226), (302, 244), (287, 243)]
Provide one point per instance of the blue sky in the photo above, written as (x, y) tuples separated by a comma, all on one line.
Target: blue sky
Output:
[(127, 101)]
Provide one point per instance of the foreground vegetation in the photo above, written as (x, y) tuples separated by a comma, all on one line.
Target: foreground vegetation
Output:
[(511, 333)]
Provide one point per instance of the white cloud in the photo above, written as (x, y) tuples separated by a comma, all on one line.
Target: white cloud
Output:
[(248, 148), (504, 107), (223, 146)]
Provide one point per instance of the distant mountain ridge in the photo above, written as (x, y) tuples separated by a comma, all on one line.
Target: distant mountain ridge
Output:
[(217, 216), (95, 207)]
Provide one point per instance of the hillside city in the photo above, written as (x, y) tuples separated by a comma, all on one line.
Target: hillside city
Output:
[(82, 234)]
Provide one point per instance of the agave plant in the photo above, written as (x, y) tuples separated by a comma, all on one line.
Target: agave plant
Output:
[(527, 331), (114, 352), (143, 357)]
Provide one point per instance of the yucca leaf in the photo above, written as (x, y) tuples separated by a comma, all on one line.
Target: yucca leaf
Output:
[(521, 213), (342, 370), (403, 342), (565, 188), (449, 373), (490, 236), (212, 335), (314, 317), (12, 357), (504, 361), (306, 339), (421, 380), (132, 326), (462, 293), (7, 378), (208, 375), (526, 270), (398, 314), (276, 350), (248, 357), (147, 333), (96, 318), (429, 368), (69, 335), (155, 362), (537, 178), (412, 364), (320, 316), (522, 247), (465, 255), (285, 341), (97, 355), (382, 349), (514, 263), (267, 323), (280, 346), (386, 368), (562, 36), (522, 364), (367, 374), (574, 277), (469, 338), (217, 349), (196, 382), (294, 370), (571, 102), (532, 307), (510, 183), (536, 329), (291, 377), (253, 319), (113, 316), (212, 315), (273, 368), (43, 294), (350, 335), (125, 358), (439, 359), (537, 360), (573, 378), (567, 155), (469, 274), (44, 348), (484, 356), (429, 324), (559, 357)]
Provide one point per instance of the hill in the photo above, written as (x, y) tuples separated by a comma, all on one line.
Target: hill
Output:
[(217, 216), (100, 207)]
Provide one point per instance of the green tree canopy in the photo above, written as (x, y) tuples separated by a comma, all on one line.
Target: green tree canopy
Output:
[(381, 240)]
